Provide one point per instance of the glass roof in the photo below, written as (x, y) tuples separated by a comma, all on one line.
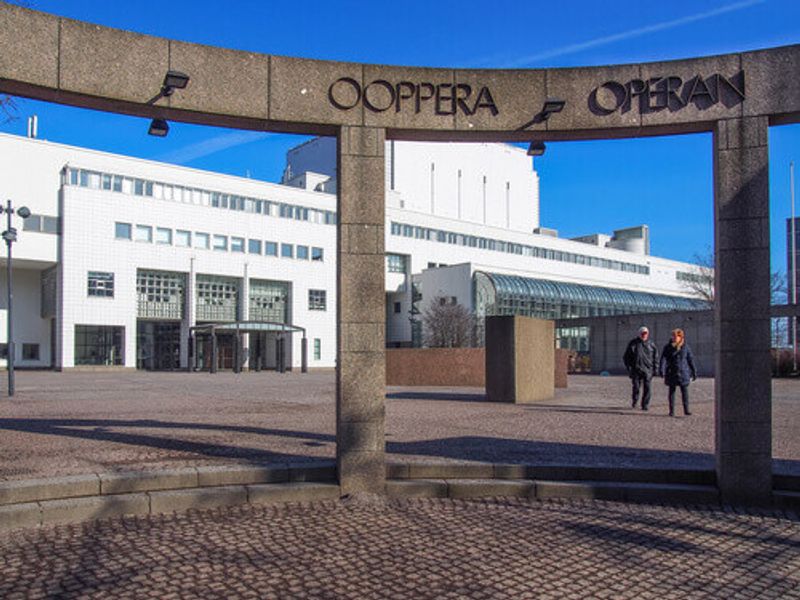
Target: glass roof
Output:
[(573, 293)]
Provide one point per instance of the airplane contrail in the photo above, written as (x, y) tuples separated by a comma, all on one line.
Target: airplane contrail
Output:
[(625, 35), (211, 146)]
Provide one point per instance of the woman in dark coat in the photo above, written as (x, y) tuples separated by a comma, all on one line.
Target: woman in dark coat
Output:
[(677, 366)]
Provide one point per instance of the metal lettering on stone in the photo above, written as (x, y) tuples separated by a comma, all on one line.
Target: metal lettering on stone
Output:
[(671, 93), (381, 95)]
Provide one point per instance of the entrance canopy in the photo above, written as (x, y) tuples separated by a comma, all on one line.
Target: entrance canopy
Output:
[(247, 327)]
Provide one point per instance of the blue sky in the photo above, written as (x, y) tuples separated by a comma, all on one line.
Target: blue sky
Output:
[(585, 186)]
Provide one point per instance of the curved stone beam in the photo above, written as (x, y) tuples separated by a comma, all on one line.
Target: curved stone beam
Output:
[(61, 60)]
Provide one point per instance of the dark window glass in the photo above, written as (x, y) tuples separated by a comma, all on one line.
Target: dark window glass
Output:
[(317, 300), (30, 351), (99, 345), (100, 284)]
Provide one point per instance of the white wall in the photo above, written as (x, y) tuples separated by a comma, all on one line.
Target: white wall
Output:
[(29, 327), (492, 184), (661, 279), (90, 245)]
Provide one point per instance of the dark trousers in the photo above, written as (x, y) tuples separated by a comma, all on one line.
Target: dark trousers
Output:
[(643, 382), (684, 397)]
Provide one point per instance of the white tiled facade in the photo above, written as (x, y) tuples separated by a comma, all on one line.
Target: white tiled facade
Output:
[(475, 206), (88, 243)]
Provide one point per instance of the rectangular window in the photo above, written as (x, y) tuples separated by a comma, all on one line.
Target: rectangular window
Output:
[(163, 236), (144, 233), (237, 244), (397, 308), (220, 242), (138, 187), (32, 223), (317, 300), (30, 351), (183, 238), (117, 185), (317, 254), (271, 248), (317, 349), (254, 246), (50, 224), (201, 240), (101, 284), (99, 345), (4, 347), (396, 263), (302, 252), (122, 231), (287, 250)]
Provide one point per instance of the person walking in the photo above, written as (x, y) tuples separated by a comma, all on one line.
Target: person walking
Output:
[(677, 366), (641, 361)]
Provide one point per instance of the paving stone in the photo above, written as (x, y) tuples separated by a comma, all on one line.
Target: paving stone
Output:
[(479, 488), (291, 492), (15, 516), (579, 490), (481, 549), (181, 500), (210, 476), (416, 488), (77, 510), (312, 471), (443, 470), (12, 492), (168, 479)]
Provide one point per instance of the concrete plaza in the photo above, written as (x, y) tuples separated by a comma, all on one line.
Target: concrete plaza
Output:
[(368, 547), (79, 423)]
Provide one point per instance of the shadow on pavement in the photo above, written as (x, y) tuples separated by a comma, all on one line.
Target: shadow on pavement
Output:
[(461, 448)]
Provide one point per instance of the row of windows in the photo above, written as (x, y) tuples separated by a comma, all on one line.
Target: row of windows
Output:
[(29, 351), (694, 277), (166, 288), (205, 241), (103, 345), (473, 241), (188, 195), (41, 223)]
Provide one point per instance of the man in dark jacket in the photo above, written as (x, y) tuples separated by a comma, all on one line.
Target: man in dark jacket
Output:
[(641, 361)]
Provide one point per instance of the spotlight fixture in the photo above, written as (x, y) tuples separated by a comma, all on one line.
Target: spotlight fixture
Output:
[(158, 128), (551, 105), (536, 149), (174, 80)]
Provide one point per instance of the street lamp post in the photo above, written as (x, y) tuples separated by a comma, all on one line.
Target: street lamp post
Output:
[(794, 270), (10, 236)]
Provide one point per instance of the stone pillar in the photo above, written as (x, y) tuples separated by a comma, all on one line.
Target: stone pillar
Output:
[(743, 405), (361, 368), (520, 359)]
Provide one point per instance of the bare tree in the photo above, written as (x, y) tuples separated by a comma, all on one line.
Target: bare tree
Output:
[(8, 109), (448, 324), (700, 280)]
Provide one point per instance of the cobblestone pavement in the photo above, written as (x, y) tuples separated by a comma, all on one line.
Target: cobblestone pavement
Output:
[(412, 549), (78, 422)]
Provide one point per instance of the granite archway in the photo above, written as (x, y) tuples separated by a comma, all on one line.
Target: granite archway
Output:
[(735, 96)]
